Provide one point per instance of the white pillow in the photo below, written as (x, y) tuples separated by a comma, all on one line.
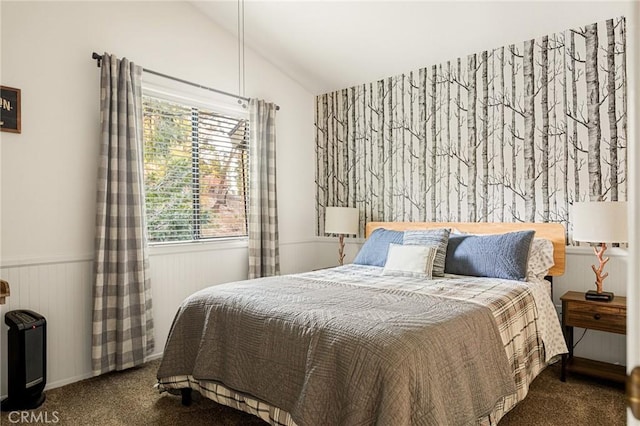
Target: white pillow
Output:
[(410, 260)]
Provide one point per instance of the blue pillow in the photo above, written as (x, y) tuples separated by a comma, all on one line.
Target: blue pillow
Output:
[(374, 250), (496, 256), (431, 237)]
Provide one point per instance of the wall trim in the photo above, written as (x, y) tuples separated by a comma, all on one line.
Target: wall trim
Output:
[(235, 244), (334, 240), (45, 260), (197, 246), (80, 377), (154, 251), (588, 251), (63, 382)]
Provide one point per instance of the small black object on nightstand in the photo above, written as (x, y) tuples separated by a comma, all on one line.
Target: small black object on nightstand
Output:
[(605, 296)]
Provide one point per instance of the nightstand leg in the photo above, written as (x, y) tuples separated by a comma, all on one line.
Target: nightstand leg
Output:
[(566, 358)]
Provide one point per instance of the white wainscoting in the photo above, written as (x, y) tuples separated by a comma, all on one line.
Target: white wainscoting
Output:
[(61, 290)]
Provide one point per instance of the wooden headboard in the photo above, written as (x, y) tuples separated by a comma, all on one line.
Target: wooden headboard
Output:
[(551, 231)]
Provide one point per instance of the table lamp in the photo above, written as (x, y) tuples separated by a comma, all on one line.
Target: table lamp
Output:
[(341, 221), (600, 222)]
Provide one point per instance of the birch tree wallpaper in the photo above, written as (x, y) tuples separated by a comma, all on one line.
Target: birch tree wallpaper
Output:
[(513, 134)]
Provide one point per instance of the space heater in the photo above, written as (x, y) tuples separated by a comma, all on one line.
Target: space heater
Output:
[(27, 366)]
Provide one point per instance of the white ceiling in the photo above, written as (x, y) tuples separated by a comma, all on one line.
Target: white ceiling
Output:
[(330, 45)]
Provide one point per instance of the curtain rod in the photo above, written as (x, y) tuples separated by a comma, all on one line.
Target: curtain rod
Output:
[(98, 59)]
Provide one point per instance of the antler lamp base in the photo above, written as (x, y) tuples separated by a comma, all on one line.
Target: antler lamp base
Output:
[(598, 294)]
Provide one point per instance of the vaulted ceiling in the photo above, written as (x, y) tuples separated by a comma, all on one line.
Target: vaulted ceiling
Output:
[(329, 45)]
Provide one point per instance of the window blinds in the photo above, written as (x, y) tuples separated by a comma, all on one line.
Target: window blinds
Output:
[(195, 170)]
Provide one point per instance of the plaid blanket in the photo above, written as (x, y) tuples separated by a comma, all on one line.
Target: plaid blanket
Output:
[(509, 307)]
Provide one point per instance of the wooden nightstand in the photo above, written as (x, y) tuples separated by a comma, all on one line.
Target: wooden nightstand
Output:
[(592, 315)]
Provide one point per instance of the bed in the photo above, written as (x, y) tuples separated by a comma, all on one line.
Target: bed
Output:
[(367, 344)]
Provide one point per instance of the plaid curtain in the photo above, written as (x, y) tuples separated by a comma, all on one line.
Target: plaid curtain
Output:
[(122, 315), (264, 253)]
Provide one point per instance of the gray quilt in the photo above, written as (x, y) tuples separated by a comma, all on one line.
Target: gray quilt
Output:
[(340, 354)]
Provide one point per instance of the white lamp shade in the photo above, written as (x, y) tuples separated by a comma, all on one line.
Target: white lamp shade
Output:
[(341, 220), (600, 221)]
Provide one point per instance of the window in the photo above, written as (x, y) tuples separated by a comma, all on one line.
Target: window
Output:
[(195, 171)]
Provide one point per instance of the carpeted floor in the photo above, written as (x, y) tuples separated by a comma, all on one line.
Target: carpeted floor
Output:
[(128, 398)]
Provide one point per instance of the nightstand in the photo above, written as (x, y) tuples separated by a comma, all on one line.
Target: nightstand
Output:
[(592, 315)]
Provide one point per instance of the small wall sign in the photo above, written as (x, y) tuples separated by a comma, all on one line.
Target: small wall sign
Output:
[(9, 109)]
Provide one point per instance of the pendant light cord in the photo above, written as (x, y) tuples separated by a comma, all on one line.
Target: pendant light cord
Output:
[(241, 66)]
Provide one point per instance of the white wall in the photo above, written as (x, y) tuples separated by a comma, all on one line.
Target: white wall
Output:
[(48, 173)]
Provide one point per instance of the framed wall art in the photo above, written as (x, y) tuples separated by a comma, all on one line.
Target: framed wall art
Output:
[(10, 109)]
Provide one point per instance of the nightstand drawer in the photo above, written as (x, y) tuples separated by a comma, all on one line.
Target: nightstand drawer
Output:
[(596, 318)]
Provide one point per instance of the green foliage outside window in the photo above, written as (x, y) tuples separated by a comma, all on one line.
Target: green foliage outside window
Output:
[(195, 172)]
